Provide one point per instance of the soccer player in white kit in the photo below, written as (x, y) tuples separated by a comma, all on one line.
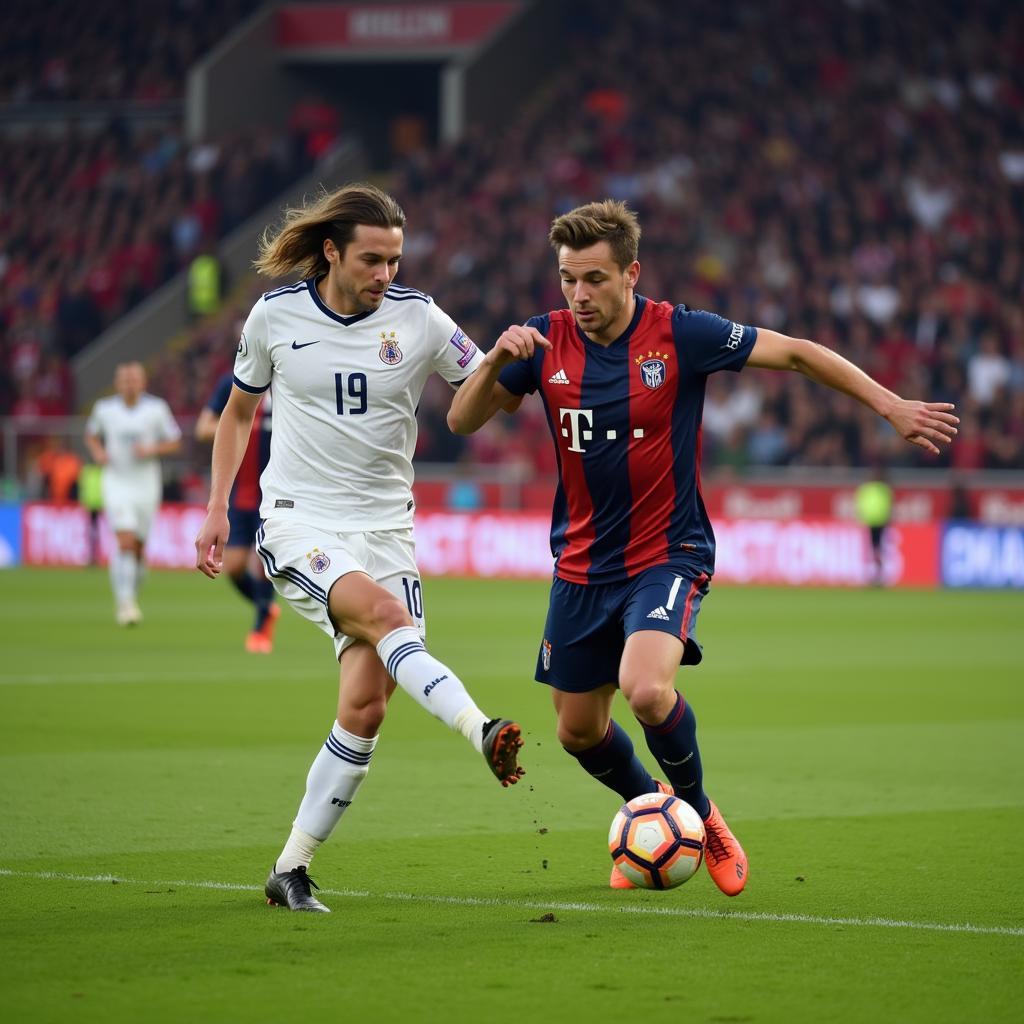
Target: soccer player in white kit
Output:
[(127, 434), (346, 354)]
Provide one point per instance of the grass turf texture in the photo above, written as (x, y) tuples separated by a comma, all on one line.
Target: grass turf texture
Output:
[(865, 746)]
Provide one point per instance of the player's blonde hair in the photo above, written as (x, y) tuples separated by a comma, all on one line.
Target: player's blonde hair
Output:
[(608, 221), (298, 247)]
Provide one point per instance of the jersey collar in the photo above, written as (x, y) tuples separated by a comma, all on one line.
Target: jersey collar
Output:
[(345, 321), (641, 302)]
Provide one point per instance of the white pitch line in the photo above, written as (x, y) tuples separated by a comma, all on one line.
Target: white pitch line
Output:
[(95, 679), (476, 901)]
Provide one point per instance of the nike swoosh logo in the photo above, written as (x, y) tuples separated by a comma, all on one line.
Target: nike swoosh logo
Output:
[(305, 344), (684, 760)]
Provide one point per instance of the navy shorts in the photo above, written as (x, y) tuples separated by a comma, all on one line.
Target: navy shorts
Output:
[(588, 624), (244, 523)]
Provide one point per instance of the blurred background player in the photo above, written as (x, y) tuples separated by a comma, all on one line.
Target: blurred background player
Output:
[(873, 499), (127, 434), (347, 353), (622, 379), (240, 562)]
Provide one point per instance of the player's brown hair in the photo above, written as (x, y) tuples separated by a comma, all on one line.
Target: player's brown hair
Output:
[(299, 245), (608, 221)]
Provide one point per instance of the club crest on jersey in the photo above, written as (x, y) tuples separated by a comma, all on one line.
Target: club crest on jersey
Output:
[(652, 369), (318, 561), (545, 655), (389, 353)]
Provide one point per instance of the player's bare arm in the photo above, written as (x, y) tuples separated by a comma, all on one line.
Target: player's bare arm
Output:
[(925, 424), (206, 425), (97, 452), (481, 396), (228, 448)]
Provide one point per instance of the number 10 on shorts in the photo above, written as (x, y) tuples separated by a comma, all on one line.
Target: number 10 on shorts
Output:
[(413, 597)]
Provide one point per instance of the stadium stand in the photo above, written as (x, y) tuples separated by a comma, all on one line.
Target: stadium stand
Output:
[(850, 172)]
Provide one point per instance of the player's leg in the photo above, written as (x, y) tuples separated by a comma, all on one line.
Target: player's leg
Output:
[(121, 507), (330, 572), (582, 644), (246, 574), (600, 745), (336, 774), (124, 576), (361, 607), (655, 647)]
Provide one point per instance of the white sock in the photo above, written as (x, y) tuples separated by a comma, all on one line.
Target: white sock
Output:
[(123, 575), (336, 774), (432, 685)]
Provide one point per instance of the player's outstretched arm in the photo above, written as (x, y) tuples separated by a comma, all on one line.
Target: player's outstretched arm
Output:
[(97, 452), (481, 395), (926, 424), (228, 448)]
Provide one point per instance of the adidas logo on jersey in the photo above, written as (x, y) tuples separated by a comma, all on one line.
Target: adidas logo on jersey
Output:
[(559, 378), (658, 613)]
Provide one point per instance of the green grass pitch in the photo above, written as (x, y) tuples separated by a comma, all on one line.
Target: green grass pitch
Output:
[(866, 747)]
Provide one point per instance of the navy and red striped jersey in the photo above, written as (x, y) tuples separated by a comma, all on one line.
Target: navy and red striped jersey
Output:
[(245, 492), (626, 422)]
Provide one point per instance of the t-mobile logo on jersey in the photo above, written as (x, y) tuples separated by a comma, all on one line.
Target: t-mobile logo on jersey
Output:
[(579, 423)]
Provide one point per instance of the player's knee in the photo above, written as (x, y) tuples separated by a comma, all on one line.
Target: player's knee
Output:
[(365, 719), (578, 736), (388, 613), (649, 700)]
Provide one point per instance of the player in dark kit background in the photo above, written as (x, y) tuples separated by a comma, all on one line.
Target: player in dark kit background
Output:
[(242, 567), (622, 379)]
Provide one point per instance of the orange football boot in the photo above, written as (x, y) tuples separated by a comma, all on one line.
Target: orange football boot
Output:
[(267, 629), (257, 643), (726, 861), (618, 879)]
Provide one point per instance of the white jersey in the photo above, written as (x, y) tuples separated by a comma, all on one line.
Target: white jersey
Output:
[(345, 392), (121, 427)]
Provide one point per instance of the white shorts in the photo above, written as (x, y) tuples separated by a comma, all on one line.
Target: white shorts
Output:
[(129, 509), (304, 562)]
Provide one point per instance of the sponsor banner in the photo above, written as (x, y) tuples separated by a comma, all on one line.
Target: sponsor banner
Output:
[(386, 27), (982, 556), (798, 553), (61, 535), (822, 553), (515, 545), (488, 544), (10, 535)]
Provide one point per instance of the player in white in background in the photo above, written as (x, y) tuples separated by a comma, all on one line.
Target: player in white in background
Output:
[(127, 434), (346, 354)]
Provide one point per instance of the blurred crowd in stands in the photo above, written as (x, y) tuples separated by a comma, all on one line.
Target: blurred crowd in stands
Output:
[(107, 50), (849, 172)]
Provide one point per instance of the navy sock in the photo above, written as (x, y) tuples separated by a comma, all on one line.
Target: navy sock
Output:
[(674, 745), (263, 598), (244, 585), (614, 764)]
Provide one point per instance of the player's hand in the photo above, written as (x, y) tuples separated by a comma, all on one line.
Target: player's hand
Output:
[(210, 544), (518, 342), (926, 424)]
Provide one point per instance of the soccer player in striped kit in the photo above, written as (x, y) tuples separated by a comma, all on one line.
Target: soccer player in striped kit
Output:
[(622, 379)]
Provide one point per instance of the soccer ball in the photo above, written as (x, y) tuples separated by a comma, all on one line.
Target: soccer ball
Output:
[(657, 841)]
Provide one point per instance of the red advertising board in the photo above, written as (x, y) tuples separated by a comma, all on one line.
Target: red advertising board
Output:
[(354, 27), (797, 552)]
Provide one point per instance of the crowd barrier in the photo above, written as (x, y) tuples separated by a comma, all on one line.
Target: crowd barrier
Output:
[(509, 545)]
